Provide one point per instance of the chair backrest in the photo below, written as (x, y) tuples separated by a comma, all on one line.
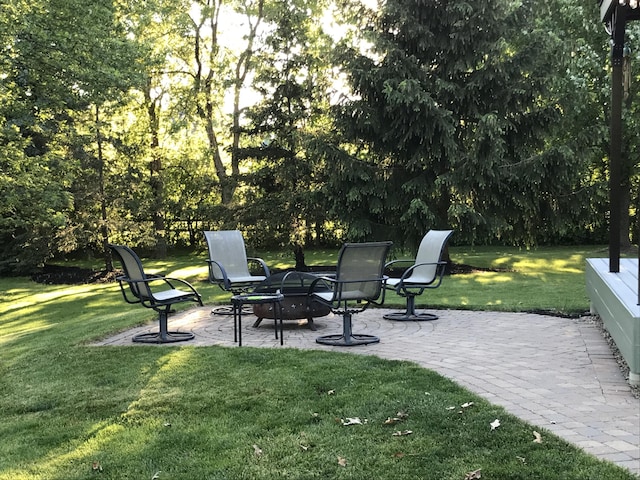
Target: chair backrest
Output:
[(430, 252), (227, 248), (133, 270), (361, 261)]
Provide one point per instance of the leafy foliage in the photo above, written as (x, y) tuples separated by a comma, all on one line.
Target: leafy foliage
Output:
[(148, 122), (284, 200), (456, 109), (61, 58)]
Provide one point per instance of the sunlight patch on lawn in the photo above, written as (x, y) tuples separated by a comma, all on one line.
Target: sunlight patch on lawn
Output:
[(189, 272), (158, 390), (570, 265), (77, 292), (76, 459), (488, 278), (37, 298)]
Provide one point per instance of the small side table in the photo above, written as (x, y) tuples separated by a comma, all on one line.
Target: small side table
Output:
[(237, 301)]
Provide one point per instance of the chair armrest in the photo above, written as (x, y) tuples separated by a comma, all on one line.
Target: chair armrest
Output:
[(122, 279), (212, 278), (317, 280), (262, 264), (170, 281), (338, 284), (439, 271), (148, 280), (392, 262), (133, 287)]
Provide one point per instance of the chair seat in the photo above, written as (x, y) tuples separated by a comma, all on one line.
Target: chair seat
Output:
[(392, 282), (350, 295), (171, 295), (249, 279)]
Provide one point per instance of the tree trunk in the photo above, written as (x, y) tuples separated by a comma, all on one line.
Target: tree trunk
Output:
[(155, 180), (104, 228)]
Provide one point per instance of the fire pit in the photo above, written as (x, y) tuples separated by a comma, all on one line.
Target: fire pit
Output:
[(294, 286)]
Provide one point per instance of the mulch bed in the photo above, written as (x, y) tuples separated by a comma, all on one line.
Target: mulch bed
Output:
[(61, 275)]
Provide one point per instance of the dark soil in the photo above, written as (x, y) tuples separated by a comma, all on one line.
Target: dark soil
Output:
[(61, 275)]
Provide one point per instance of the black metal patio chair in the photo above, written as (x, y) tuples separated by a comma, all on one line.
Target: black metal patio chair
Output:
[(153, 291), (426, 271), (358, 283), (229, 264)]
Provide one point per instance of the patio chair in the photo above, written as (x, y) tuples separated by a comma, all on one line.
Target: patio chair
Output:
[(358, 283), (153, 291), (426, 272), (229, 264)]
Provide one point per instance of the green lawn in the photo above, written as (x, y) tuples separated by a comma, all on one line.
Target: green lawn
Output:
[(546, 278), (70, 411)]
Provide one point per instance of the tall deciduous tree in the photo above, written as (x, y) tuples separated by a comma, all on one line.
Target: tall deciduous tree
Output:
[(292, 77), (62, 58)]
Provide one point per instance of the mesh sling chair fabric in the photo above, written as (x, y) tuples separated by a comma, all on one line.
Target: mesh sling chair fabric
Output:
[(229, 264), (358, 283), (153, 291), (426, 271)]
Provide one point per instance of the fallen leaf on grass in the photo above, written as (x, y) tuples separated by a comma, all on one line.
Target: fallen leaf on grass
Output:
[(400, 416), (473, 475), (304, 447), (522, 459), (495, 424), (467, 405), (257, 450), (402, 434), (398, 455), (538, 438), (351, 421), (156, 476), (331, 392), (96, 466), (451, 408), (342, 461)]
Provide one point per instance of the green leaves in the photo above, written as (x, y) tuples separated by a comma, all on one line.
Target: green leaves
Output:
[(463, 97)]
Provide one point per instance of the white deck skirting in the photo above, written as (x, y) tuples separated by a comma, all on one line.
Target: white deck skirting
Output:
[(614, 297)]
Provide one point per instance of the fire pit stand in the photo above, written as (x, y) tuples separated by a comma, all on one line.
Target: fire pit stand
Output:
[(294, 286)]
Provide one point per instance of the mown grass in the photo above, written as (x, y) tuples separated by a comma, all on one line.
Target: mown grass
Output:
[(546, 278), (72, 411)]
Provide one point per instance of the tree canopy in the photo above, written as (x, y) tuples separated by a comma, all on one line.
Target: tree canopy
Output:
[(303, 122)]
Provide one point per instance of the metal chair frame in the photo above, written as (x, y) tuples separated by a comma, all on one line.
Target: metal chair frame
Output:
[(426, 271), (152, 291), (358, 283)]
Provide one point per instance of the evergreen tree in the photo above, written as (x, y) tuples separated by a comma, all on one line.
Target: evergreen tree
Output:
[(451, 124)]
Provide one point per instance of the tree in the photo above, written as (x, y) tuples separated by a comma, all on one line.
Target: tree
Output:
[(452, 124), (57, 64), (278, 136)]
